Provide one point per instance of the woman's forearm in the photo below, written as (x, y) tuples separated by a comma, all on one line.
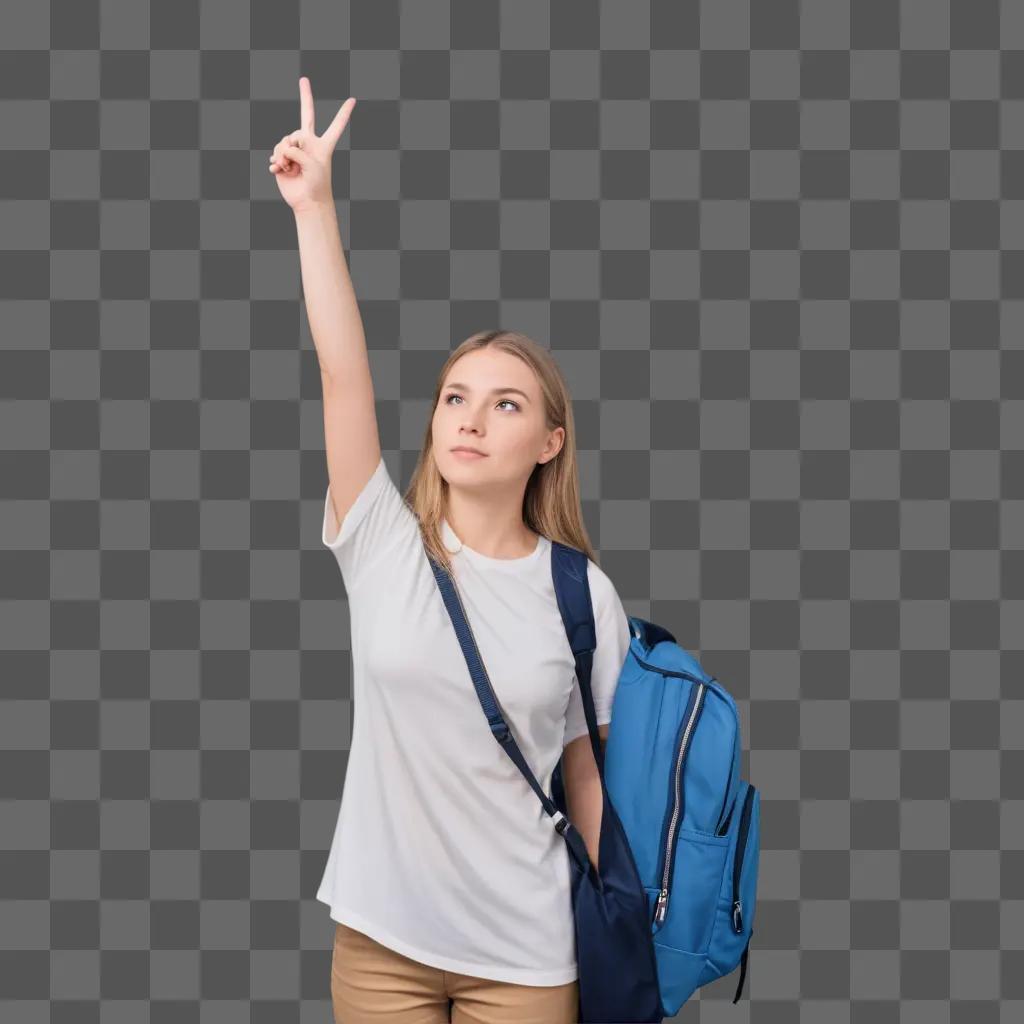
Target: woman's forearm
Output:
[(584, 803), (331, 307)]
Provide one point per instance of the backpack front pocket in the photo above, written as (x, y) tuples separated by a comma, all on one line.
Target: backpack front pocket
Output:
[(695, 882)]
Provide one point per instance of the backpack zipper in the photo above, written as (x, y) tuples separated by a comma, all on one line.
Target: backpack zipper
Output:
[(662, 906), (737, 865), (682, 674)]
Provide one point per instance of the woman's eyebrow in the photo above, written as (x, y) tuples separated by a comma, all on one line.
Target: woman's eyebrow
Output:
[(494, 391)]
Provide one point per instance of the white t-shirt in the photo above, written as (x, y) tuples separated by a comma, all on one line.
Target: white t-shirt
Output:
[(442, 851)]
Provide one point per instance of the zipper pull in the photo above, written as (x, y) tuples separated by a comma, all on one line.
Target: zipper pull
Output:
[(737, 916), (662, 908)]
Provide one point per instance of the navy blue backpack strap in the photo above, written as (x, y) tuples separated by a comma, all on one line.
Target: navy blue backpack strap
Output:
[(743, 969), (572, 592)]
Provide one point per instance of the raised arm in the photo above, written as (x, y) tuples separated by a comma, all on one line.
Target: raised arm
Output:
[(301, 161)]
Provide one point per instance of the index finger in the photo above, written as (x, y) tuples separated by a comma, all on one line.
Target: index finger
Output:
[(306, 98)]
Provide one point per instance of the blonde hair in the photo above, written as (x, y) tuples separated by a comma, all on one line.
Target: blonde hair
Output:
[(551, 502)]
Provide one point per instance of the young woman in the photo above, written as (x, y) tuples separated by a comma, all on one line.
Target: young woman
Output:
[(449, 886)]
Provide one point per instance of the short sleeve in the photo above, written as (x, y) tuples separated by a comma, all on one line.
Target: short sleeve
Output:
[(613, 636), (377, 523)]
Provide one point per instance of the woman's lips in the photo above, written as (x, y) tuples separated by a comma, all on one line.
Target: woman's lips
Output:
[(462, 454)]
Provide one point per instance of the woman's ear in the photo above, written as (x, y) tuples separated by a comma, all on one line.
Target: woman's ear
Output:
[(555, 442)]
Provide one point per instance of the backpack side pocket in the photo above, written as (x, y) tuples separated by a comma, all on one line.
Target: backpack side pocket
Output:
[(734, 916)]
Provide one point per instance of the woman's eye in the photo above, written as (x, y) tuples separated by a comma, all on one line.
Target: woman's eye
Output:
[(447, 401)]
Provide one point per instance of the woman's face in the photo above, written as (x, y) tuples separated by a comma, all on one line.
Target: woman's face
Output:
[(507, 426)]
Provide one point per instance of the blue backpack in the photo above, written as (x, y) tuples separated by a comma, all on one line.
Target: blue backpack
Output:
[(672, 768), (671, 905)]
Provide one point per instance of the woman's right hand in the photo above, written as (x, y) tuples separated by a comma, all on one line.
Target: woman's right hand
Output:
[(301, 161)]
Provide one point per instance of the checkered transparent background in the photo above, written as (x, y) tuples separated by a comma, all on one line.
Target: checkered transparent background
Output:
[(778, 249)]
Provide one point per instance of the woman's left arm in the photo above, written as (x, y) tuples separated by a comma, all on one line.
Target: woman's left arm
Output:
[(582, 786)]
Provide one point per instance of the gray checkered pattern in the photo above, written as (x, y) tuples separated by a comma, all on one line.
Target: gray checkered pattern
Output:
[(778, 249)]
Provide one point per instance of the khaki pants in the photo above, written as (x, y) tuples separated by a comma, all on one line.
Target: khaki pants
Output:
[(372, 983)]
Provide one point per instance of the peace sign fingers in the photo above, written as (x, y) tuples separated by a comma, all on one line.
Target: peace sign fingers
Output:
[(337, 126), (306, 98)]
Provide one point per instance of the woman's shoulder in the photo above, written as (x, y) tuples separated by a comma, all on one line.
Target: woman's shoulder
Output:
[(602, 587)]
